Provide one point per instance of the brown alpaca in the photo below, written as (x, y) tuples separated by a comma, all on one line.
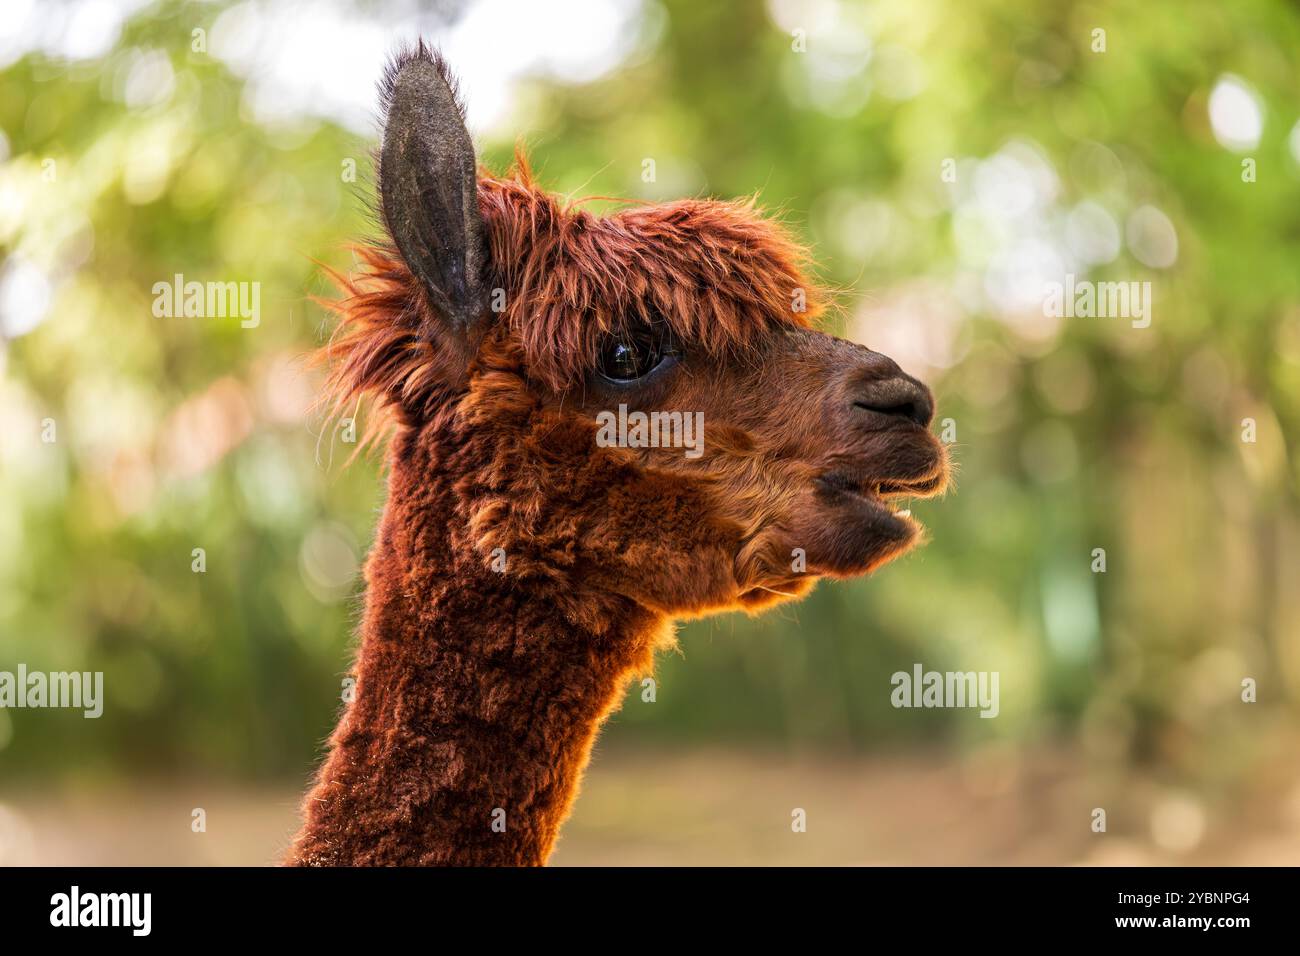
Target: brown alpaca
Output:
[(523, 571)]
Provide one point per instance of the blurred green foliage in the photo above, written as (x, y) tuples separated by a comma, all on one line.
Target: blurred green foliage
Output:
[(175, 434)]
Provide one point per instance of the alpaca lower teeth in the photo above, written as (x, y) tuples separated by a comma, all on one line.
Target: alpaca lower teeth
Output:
[(905, 513)]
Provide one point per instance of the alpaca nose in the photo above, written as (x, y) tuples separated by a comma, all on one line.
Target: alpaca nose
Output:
[(887, 390)]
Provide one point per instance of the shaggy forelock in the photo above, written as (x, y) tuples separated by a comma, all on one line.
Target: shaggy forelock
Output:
[(718, 273)]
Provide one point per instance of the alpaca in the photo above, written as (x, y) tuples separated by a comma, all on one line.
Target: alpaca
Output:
[(524, 572)]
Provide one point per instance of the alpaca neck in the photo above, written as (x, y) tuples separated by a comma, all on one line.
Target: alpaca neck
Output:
[(477, 700)]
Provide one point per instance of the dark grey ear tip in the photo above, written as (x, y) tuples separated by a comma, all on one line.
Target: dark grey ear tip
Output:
[(419, 64)]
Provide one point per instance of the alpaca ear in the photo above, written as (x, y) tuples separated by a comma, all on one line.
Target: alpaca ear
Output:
[(428, 187)]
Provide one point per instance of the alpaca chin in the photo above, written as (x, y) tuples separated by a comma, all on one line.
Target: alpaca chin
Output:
[(762, 597)]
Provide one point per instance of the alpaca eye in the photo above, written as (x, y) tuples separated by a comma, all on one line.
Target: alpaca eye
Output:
[(627, 357)]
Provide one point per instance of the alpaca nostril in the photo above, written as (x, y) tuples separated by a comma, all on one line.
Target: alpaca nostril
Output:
[(902, 410), (897, 397)]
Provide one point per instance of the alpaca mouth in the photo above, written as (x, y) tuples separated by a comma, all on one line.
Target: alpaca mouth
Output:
[(884, 494)]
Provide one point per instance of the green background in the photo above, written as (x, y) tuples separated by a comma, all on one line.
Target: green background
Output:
[(176, 434)]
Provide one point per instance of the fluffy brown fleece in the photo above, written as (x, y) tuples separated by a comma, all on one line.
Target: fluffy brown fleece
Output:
[(521, 574)]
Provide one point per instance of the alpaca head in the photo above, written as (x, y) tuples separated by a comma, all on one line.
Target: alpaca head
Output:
[(526, 346)]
